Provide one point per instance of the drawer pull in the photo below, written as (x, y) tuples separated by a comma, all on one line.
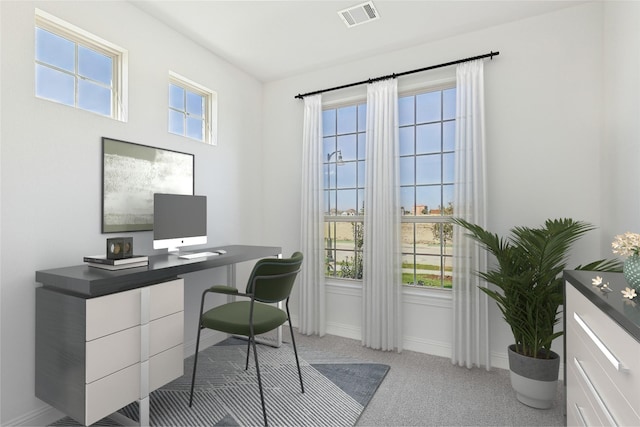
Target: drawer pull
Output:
[(594, 392), (603, 348), (581, 416)]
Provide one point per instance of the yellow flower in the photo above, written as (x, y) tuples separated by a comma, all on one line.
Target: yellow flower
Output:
[(629, 293)]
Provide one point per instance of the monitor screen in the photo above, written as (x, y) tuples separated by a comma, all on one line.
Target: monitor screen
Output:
[(179, 220)]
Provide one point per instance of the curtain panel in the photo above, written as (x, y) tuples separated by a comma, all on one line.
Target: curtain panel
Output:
[(470, 345), (311, 278), (381, 287)]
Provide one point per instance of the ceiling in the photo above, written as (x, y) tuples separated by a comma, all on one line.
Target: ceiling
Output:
[(272, 40)]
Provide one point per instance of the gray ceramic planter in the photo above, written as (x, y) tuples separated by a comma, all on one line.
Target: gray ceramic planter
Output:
[(534, 380)]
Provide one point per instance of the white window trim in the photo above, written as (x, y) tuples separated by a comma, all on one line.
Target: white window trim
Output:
[(210, 105), (76, 34)]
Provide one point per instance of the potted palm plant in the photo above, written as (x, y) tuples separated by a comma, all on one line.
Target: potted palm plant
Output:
[(528, 277)]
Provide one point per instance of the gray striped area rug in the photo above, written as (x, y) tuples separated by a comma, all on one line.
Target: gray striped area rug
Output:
[(337, 389)]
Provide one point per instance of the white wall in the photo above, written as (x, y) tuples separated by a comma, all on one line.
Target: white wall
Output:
[(620, 149), (51, 165), (544, 97)]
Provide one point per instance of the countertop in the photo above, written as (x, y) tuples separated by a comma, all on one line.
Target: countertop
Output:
[(623, 311)]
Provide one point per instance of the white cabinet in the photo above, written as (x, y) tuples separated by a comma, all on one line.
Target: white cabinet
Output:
[(603, 361), (96, 355)]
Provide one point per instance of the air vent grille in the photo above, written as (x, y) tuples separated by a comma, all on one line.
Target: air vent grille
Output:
[(359, 14)]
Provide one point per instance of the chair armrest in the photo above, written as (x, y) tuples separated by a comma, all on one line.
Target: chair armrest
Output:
[(223, 289)]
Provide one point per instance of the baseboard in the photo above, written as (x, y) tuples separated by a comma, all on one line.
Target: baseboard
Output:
[(434, 348), (42, 416), (344, 330)]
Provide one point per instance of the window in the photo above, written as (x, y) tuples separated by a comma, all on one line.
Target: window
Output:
[(344, 171), (192, 110), (427, 140), (427, 137), (78, 69)]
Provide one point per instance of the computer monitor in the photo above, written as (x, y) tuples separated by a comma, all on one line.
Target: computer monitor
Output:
[(179, 220)]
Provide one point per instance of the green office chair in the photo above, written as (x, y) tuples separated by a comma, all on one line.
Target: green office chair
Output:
[(271, 281)]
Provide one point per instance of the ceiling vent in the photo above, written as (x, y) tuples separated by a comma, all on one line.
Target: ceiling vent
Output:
[(360, 14)]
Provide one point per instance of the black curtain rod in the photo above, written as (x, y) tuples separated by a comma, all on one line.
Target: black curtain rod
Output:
[(394, 75)]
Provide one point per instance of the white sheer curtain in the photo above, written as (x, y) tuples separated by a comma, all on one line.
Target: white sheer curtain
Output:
[(311, 278), (470, 305), (381, 284)]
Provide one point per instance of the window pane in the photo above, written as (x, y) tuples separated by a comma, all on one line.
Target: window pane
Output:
[(195, 104), (407, 200), (429, 170), (361, 173), (195, 128), (448, 136), (346, 175), (329, 147), (430, 198), (362, 141), (328, 122), (406, 110), (346, 202), (347, 147), (447, 165), (55, 85), (176, 122), (176, 97), (55, 50), (449, 104), (93, 97), (406, 143), (428, 138), (346, 119), (362, 117), (95, 66), (428, 107), (447, 199), (407, 176)]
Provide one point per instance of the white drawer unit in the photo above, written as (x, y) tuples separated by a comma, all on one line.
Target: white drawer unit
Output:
[(130, 342), (602, 356)]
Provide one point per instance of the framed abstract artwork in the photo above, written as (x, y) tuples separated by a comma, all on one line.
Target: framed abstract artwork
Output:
[(131, 174)]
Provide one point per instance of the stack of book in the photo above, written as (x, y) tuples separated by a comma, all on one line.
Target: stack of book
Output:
[(101, 261)]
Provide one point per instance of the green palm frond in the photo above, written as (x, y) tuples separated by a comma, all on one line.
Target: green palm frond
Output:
[(528, 276)]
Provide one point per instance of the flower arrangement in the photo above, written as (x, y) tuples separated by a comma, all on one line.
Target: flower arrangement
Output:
[(626, 244)]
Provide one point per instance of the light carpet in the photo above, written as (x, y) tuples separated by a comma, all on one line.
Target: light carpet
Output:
[(337, 390)]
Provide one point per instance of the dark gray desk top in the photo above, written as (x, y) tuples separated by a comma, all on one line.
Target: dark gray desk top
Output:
[(623, 311), (88, 282)]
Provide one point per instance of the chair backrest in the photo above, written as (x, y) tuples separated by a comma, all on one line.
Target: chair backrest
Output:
[(273, 278)]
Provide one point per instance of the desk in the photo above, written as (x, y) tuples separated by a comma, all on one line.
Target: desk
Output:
[(107, 338)]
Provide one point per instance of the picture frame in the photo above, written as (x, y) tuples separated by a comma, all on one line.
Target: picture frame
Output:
[(131, 174)]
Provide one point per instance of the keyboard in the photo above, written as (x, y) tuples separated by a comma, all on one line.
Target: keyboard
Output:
[(197, 255)]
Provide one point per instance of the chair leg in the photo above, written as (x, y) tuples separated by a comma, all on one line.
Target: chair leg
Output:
[(295, 350), (195, 364), (195, 359), (246, 366), (252, 339)]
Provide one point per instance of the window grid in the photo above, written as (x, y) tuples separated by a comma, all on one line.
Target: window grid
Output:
[(194, 115), (115, 81), (427, 263), (343, 155), (427, 185)]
